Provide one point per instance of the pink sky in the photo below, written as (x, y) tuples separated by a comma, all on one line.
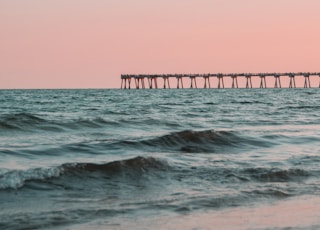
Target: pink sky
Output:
[(88, 44)]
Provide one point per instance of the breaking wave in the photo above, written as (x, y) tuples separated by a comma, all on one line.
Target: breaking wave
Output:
[(15, 179), (137, 167)]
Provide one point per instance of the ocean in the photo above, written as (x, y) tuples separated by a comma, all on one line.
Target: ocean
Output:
[(160, 159)]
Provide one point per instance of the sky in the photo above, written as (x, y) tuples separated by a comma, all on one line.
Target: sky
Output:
[(89, 44)]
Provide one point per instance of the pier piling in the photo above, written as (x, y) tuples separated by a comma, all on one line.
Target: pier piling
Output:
[(234, 81), (292, 82), (263, 82), (166, 80), (179, 79), (220, 81), (249, 81), (277, 80), (206, 80), (307, 83), (193, 80)]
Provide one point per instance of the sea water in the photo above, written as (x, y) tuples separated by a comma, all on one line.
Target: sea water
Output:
[(160, 159)]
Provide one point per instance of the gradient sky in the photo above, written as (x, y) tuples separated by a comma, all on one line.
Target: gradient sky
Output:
[(88, 44)]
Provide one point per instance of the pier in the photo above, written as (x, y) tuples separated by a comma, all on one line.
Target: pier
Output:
[(153, 81)]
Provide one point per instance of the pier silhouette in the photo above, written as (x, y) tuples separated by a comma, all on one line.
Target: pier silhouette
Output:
[(153, 80)]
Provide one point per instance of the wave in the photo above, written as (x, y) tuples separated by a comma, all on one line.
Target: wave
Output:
[(20, 121), (250, 102), (14, 179), (187, 141), (207, 141), (137, 167), (97, 122), (270, 192), (239, 175), (32, 122), (276, 175), (138, 164), (301, 107)]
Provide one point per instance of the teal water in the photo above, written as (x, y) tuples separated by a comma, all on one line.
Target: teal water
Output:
[(72, 157)]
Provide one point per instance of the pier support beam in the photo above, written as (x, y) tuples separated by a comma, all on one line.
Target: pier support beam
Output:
[(155, 82), (193, 79), (179, 80), (206, 79), (249, 81), (154, 79), (150, 82), (277, 80), (142, 81), (263, 82), (234, 82), (292, 83), (220, 81), (127, 79), (165, 81), (137, 81), (307, 81), (129, 82)]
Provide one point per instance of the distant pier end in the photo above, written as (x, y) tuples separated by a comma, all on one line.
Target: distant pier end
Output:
[(154, 81)]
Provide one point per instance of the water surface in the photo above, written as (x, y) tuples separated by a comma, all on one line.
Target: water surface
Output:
[(113, 158)]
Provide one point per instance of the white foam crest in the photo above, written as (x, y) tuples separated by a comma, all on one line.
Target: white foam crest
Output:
[(16, 178)]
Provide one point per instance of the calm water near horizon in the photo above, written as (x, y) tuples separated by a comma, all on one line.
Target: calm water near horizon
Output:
[(159, 159)]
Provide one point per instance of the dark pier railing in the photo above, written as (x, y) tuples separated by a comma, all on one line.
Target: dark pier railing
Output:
[(152, 79)]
